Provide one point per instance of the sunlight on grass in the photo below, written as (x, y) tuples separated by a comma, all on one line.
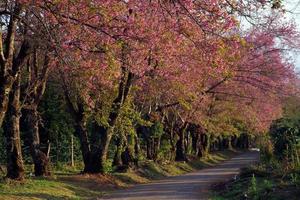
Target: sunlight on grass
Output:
[(43, 189)]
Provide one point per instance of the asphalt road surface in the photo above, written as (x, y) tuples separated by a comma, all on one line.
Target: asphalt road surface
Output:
[(191, 186)]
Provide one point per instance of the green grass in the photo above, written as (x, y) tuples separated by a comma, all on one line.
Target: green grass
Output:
[(44, 189), (67, 184), (256, 184)]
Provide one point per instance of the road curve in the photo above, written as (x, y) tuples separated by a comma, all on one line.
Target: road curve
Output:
[(191, 186)]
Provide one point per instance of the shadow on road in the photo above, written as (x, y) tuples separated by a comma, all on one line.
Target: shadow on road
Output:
[(192, 186)]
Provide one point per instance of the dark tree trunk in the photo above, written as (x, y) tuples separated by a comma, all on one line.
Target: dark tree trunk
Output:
[(156, 147), (207, 144), (180, 146), (94, 165), (243, 141), (117, 161), (195, 142), (220, 144), (98, 155), (5, 88), (15, 167), (180, 151), (230, 143), (10, 63), (32, 93), (127, 157), (199, 146), (187, 142), (81, 132), (234, 141), (40, 159), (148, 149), (136, 150), (173, 145)]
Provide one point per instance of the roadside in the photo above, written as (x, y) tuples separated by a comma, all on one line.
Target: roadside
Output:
[(68, 185), (260, 182)]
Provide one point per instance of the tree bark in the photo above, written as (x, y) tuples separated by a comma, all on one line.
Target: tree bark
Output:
[(32, 95), (106, 135), (72, 151), (78, 114), (10, 63), (40, 159), (149, 148), (136, 150), (82, 134), (15, 166), (127, 157), (180, 151), (207, 145), (117, 161), (99, 155)]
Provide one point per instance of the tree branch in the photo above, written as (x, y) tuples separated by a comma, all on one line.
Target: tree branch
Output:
[(2, 58)]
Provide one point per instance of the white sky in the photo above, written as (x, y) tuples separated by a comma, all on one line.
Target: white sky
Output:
[(293, 12)]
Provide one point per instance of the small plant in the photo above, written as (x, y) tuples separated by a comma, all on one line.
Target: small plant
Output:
[(294, 177), (267, 185), (253, 188), (107, 168)]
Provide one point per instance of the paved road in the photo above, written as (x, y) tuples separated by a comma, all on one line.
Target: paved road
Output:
[(192, 186)]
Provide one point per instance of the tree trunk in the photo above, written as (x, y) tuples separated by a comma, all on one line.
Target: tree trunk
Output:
[(149, 149), (127, 157), (156, 147), (173, 145), (207, 145), (32, 94), (81, 132), (9, 62), (104, 145), (234, 141), (40, 159), (220, 144), (195, 143), (15, 167), (199, 151), (117, 161), (136, 150), (98, 155), (5, 88), (72, 151), (180, 151), (230, 143)]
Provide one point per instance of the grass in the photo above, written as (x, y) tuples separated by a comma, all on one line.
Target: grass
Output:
[(44, 189), (255, 183), (67, 184)]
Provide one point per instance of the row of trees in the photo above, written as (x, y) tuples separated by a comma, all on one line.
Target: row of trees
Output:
[(156, 77)]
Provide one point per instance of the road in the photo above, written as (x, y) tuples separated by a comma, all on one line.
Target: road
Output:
[(191, 186)]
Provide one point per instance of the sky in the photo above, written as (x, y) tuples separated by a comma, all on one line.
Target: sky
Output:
[(293, 13)]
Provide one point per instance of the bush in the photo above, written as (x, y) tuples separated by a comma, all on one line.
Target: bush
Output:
[(285, 137)]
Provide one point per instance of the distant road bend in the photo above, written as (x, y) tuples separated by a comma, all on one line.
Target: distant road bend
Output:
[(191, 186)]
